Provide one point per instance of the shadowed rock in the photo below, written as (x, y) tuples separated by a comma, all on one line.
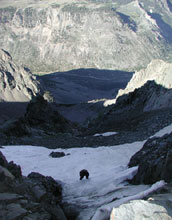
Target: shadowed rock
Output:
[(154, 161)]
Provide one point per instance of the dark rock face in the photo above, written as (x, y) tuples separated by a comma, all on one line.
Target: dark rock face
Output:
[(40, 118), (48, 186), (33, 197), (16, 128), (154, 161), (40, 113)]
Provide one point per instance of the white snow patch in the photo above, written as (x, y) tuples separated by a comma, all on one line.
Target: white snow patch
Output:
[(106, 134), (166, 130), (108, 170)]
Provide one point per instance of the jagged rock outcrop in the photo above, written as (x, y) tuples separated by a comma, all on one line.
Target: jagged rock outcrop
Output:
[(41, 114), (159, 72), (33, 197), (154, 161), (40, 118), (65, 35), (17, 83)]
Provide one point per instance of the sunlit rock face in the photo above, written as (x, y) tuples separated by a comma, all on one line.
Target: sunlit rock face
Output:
[(60, 35), (159, 93), (17, 83)]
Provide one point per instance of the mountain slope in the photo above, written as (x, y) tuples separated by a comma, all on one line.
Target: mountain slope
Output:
[(83, 85), (144, 106), (51, 36), (17, 84), (161, 73)]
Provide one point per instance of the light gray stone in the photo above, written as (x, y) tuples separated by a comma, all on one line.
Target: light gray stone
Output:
[(140, 209)]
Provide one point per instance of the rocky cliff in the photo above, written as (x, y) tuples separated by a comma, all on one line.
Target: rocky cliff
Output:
[(49, 36), (160, 73), (17, 83)]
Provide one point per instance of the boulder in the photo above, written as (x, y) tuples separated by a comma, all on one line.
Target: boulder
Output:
[(140, 209), (57, 154), (52, 188)]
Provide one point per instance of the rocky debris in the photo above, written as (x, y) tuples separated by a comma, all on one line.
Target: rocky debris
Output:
[(154, 161), (128, 114), (141, 128), (57, 154), (33, 197), (17, 82), (124, 40)]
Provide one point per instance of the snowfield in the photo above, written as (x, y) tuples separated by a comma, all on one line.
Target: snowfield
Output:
[(107, 186)]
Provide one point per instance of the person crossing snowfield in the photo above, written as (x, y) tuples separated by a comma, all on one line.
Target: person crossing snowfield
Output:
[(84, 173)]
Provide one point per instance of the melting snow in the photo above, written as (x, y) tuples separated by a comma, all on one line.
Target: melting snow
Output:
[(107, 185), (106, 134)]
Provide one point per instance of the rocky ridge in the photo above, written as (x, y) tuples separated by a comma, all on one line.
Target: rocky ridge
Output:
[(160, 72), (17, 82), (67, 35)]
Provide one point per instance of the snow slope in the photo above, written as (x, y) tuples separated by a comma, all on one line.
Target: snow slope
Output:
[(107, 186)]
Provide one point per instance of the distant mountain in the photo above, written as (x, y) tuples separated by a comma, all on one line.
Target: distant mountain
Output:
[(49, 36), (17, 83)]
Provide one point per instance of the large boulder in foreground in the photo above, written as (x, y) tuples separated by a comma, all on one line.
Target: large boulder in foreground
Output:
[(33, 197), (140, 209), (154, 161)]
